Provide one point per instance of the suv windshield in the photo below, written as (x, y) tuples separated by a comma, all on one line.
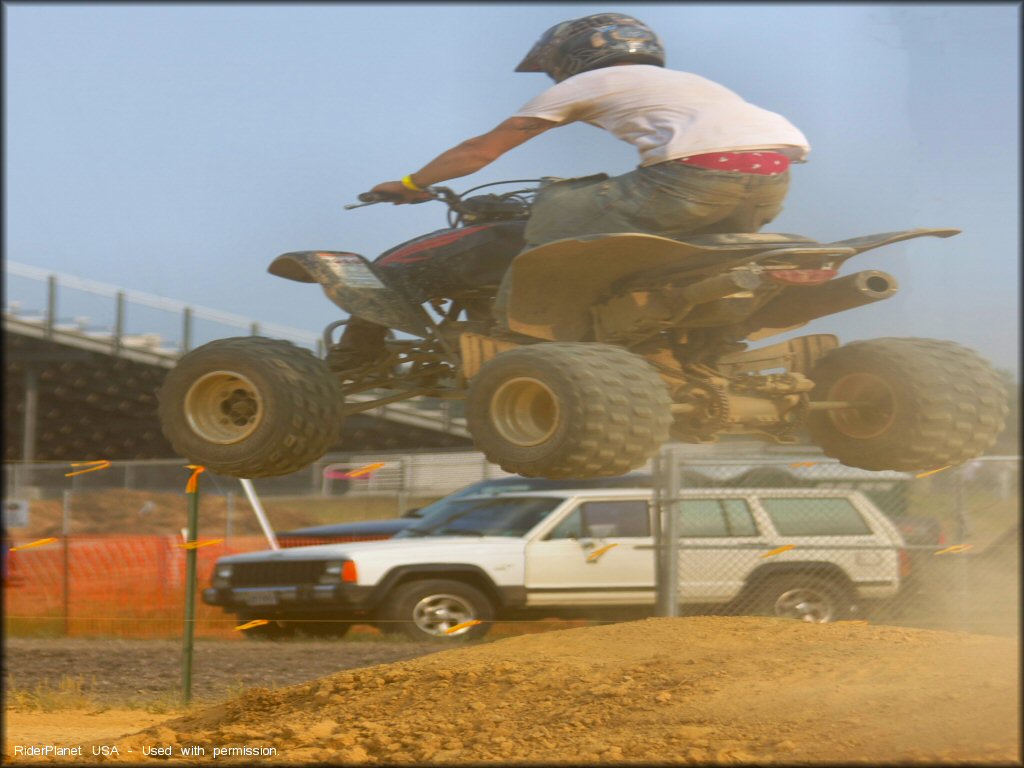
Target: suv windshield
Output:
[(493, 516), (506, 485)]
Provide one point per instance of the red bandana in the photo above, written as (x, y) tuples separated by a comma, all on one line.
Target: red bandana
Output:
[(765, 163)]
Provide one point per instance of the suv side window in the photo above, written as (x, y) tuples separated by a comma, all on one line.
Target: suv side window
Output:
[(605, 519), (571, 527), (707, 518), (815, 517)]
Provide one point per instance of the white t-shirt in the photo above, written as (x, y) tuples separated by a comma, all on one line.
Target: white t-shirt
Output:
[(666, 114)]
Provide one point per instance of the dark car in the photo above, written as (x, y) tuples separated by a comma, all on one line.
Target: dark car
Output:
[(368, 530)]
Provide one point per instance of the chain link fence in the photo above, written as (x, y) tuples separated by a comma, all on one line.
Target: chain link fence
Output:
[(390, 475), (795, 535), (817, 541)]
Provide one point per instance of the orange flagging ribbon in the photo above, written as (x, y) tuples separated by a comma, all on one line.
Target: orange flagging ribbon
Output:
[(193, 482), (101, 464)]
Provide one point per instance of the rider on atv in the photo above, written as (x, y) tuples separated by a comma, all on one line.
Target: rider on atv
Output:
[(710, 162)]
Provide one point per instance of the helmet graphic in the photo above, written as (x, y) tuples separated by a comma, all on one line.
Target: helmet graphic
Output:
[(593, 42)]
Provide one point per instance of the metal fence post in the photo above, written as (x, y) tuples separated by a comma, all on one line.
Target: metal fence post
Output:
[(671, 536), (963, 531), (117, 341), (186, 330), (229, 501), (658, 533), (51, 304), (403, 482), (65, 554), (28, 446), (316, 477), (666, 537)]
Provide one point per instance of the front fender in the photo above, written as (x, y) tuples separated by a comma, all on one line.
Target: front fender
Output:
[(473, 574), (351, 282)]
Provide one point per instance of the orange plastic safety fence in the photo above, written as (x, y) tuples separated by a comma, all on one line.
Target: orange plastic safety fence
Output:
[(122, 586)]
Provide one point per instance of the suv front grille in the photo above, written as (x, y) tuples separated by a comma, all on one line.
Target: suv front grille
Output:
[(281, 573)]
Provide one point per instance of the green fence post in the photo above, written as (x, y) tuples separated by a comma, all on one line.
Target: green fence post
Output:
[(192, 490)]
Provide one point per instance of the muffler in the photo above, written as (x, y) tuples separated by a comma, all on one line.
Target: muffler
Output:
[(801, 304)]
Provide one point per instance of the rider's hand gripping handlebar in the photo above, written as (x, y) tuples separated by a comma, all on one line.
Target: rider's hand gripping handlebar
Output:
[(372, 198)]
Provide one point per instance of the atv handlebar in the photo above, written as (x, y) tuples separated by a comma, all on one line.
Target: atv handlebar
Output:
[(372, 198), (464, 208)]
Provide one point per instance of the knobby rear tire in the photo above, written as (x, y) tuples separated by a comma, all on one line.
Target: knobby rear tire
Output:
[(939, 404), (568, 410)]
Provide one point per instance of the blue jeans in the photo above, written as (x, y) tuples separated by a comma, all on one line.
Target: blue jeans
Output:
[(669, 199)]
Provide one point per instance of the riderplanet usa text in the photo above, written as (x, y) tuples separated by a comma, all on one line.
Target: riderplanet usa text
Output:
[(48, 750)]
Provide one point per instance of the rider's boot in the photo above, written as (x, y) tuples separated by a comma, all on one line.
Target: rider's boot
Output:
[(361, 343)]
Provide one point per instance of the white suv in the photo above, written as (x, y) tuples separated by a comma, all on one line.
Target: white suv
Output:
[(806, 553)]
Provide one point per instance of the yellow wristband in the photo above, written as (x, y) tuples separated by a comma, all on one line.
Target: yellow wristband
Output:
[(408, 183)]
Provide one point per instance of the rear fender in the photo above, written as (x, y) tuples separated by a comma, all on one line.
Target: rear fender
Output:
[(351, 282), (471, 574), (823, 570), (867, 242), (552, 287)]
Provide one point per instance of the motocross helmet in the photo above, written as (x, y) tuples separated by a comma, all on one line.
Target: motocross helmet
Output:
[(592, 42)]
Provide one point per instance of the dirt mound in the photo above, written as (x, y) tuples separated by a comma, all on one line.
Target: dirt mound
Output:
[(680, 690)]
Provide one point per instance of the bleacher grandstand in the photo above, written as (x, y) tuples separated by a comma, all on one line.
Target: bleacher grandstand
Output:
[(84, 385)]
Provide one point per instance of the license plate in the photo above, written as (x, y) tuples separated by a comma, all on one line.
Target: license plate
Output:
[(263, 597)]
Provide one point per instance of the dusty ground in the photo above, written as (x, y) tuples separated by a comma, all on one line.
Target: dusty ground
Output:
[(149, 671), (687, 690)]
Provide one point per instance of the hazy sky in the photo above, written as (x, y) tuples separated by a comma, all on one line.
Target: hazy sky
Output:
[(177, 149)]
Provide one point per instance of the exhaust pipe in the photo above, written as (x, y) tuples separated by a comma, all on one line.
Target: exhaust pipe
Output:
[(801, 304)]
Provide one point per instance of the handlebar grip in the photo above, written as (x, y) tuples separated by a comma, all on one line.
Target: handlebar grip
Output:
[(373, 197)]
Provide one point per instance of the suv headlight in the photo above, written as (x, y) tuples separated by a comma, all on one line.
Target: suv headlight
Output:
[(222, 575), (337, 571), (332, 572)]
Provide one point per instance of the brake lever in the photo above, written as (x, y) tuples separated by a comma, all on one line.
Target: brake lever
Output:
[(372, 198)]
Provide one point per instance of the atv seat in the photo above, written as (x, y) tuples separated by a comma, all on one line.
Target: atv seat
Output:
[(744, 239)]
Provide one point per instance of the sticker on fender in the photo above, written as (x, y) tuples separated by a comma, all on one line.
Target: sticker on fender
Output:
[(352, 270)]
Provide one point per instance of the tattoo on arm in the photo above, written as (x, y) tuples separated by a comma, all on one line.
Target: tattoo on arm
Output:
[(530, 124)]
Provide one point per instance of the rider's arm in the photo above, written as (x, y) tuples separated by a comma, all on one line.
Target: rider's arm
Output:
[(471, 155)]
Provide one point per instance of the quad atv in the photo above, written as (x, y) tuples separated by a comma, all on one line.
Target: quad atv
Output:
[(600, 349)]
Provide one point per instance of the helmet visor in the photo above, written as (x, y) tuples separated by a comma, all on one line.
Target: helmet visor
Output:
[(539, 56)]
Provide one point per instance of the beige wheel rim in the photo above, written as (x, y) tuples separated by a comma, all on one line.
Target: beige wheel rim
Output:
[(223, 407), (863, 423), (525, 411)]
